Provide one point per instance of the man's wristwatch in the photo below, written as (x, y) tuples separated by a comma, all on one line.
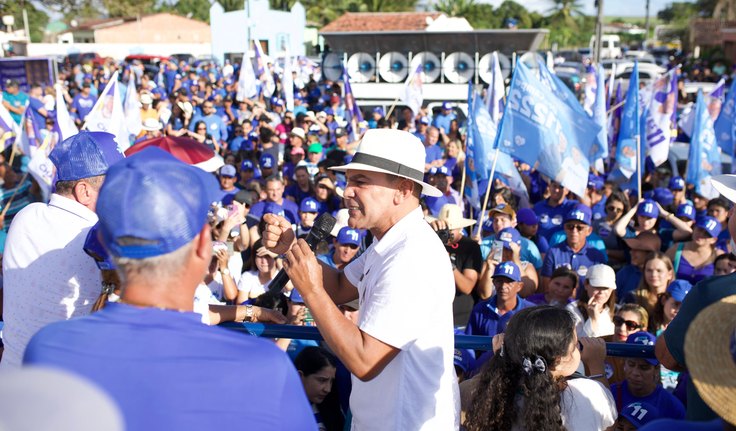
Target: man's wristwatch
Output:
[(248, 313), (225, 271)]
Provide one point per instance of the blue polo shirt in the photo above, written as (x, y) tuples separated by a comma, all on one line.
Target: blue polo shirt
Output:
[(529, 251), (435, 204), (433, 152), (551, 218), (669, 406), (562, 255), (485, 320), (593, 241), (598, 210)]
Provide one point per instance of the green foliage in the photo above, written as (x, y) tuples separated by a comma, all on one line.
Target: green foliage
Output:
[(677, 12), (511, 9), (37, 19), (459, 8), (196, 9), (128, 8)]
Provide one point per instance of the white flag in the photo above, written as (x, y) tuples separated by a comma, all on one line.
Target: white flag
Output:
[(64, 121), (107, 115), (413, 95), (43, 172), (496, 90), (9, 129), (132, 109), (263, 71), (287, 81), (247, 78)]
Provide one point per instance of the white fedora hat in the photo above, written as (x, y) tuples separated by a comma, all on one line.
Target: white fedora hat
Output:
[(452, 215), (151, 125), (392, 152), (299, 132)]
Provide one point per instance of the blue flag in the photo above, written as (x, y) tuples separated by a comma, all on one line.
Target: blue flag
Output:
[(600, 145), (725, 125), (471, 177), (353, 116), (704, 159), (629, 128), (541, 129)]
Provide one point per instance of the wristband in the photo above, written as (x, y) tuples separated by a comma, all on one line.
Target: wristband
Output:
[(248, 313)]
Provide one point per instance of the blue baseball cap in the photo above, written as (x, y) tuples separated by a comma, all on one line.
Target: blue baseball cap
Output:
[(595, 181), (663, 196), (464, 359), (329, 111), (247, 165), (440, 170), (488, 225), (296, 297), (710, 225), (138, 202), (685, 210), (446, 106), (509, 235), (94, 248), (678, 289), (579, 213), (228, 171), (273, 208), (379, 110), (348, 236), (507, 269), (640, 414), (647, 208), (676, 183), (424, 120), (645, 339), (86, 154), (267, 161), (309, 205), (527, 216)]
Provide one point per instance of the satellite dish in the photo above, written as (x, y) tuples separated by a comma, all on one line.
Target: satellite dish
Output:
[(332, 67), (485, 67), (393, 67), (361, 67), (430, 66), (458, 67)]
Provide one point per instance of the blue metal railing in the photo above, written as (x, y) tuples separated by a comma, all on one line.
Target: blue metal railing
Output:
[(461, 341)]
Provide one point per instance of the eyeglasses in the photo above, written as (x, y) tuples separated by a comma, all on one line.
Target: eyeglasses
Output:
[(577, 227), (614, 209), (630, 324)]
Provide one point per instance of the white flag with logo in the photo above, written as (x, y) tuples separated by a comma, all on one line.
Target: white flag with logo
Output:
[(64, 121), (107, 115), (246, 79), (413, 95), (132, 109)]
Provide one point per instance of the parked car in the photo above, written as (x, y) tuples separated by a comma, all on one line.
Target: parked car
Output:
[(187, 58), (83, 58)]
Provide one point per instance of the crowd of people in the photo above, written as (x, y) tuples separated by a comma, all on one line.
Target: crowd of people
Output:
[(118, 276)]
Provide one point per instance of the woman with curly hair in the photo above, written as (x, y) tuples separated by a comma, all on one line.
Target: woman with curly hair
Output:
[(527, 385)]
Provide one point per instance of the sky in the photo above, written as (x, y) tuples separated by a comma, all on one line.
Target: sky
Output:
[(633, 8)]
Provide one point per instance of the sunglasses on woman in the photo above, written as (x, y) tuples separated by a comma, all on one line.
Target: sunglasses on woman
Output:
[(630, 324)]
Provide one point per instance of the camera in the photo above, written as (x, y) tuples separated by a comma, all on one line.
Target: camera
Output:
[(444, 235)]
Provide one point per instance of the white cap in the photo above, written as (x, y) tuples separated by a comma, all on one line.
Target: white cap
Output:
[(601, 275)]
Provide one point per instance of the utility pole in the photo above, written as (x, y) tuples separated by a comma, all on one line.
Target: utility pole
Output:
[(598, 32), (646, 27)]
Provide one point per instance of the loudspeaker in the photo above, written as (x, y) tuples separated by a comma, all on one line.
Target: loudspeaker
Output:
[(393, 67), (458, 67), (361, 67), (430, 64)]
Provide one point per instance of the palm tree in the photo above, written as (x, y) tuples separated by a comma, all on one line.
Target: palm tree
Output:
[(563, 12), (459, 8), (725, 9)]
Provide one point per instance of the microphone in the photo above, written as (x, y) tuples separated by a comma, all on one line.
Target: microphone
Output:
[(323, 225)]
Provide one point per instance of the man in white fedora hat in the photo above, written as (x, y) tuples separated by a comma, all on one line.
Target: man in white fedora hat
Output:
[(402, 361), (670, 346)]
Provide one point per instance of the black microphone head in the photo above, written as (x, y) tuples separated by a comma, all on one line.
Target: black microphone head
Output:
[(323, 225)]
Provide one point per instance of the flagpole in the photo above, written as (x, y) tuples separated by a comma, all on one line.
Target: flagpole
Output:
[(12, 197), (462, 183), (393, 105), (488, 192)]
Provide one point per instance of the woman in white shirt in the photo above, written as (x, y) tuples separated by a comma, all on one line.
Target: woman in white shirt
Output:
[(527, 383), (593, 312), (255, 283)]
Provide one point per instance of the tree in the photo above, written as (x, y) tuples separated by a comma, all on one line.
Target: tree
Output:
[(459, 8), (511, 9), (127, 8), (37, 19), (196, 9), (678, 12), (565, 11), (482, 16)]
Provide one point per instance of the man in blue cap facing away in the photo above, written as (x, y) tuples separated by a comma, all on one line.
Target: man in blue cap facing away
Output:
[(150, 351), (47, 276)]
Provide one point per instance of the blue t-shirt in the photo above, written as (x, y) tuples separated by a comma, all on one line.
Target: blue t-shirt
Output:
[(161, 366), (627, 280), (442, 121), (35, 105), (215, 126), (432, 153), (562, 255), (435, 204), (485, 320), (701, 296), (669, 406), (679, 425), (291, 210), (83, 105), (551, 218)]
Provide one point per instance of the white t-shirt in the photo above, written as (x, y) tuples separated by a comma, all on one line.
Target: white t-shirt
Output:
[(47, 275), (584, 328), (406, 291), (587, 406), (250, 283)]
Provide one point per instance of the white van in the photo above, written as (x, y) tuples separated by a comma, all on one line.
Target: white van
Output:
[(610, 48)]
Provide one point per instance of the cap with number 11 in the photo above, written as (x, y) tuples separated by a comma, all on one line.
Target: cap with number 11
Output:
[(508, 270)]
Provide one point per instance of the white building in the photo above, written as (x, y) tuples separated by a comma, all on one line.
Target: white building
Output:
[(277, 31)]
